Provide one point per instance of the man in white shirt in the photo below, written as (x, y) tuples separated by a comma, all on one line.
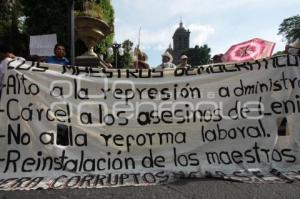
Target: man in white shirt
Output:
[(166, 61)]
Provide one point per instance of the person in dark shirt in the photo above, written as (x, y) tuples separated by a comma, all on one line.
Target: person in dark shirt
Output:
[(141, 62), (294, 48), (59, 56), (184, 62), (5, 57)]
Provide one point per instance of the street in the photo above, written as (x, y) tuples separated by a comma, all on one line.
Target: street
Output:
[(185, 189)]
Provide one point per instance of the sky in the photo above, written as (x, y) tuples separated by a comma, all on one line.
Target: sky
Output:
[(217, 23)]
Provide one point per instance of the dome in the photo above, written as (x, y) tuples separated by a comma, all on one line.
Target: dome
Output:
[(181, 30)]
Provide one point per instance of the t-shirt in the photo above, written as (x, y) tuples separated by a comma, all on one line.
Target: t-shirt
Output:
[(55, 60), (166, 65), (183, 66), (293, 51), (3, 69)]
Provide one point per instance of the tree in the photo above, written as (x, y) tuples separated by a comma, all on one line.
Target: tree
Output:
[(5, 18), (5, 10), (127, 59), (10, 13), (198, 55), (46, 17), (108, 16), (101, 9), (290, 28), (278, 53)]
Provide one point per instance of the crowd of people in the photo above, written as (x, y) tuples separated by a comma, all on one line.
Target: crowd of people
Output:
[(6, 56), (167, 59), (140, 63)]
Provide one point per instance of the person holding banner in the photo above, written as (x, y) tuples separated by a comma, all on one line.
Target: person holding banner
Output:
[(59, 56), (5, 57), (217, 58), (166, 61), (294, 48), (184, 62), (141, 62)]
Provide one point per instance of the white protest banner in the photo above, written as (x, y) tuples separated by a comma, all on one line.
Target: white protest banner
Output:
[(81, 127)]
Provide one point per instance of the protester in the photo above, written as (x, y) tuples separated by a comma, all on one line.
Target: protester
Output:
[(59, 56), (217, 58), (141, 62), (293, 48), (166, 61), (5, 57), (184, 62)]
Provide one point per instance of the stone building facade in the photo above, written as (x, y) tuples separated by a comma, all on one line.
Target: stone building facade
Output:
[(181, 42)]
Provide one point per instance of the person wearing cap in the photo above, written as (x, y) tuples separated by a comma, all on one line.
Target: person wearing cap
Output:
[(166, 61), (184, 62), (294, 48)]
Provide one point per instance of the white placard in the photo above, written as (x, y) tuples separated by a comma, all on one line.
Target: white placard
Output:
[(42, 45)]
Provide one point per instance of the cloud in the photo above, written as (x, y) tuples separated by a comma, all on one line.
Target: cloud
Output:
[(217, 23), (158, 39), (156, 12), (151, 10), (200, 33)]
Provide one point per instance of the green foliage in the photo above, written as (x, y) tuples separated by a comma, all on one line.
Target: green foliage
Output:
[(126, 60), (290, 28), (108, 16), (127, 45), (4, 30), (279, 53), (100, 9), (103, 10), (5, 11), (47, 17), (107, 11), (10, 13), (198, 55), (102, 47), (89, 8)]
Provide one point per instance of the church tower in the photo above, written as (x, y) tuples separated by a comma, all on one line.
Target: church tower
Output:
[(181, 42)]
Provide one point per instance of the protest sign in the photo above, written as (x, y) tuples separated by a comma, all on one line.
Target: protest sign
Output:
[(81, 127)]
